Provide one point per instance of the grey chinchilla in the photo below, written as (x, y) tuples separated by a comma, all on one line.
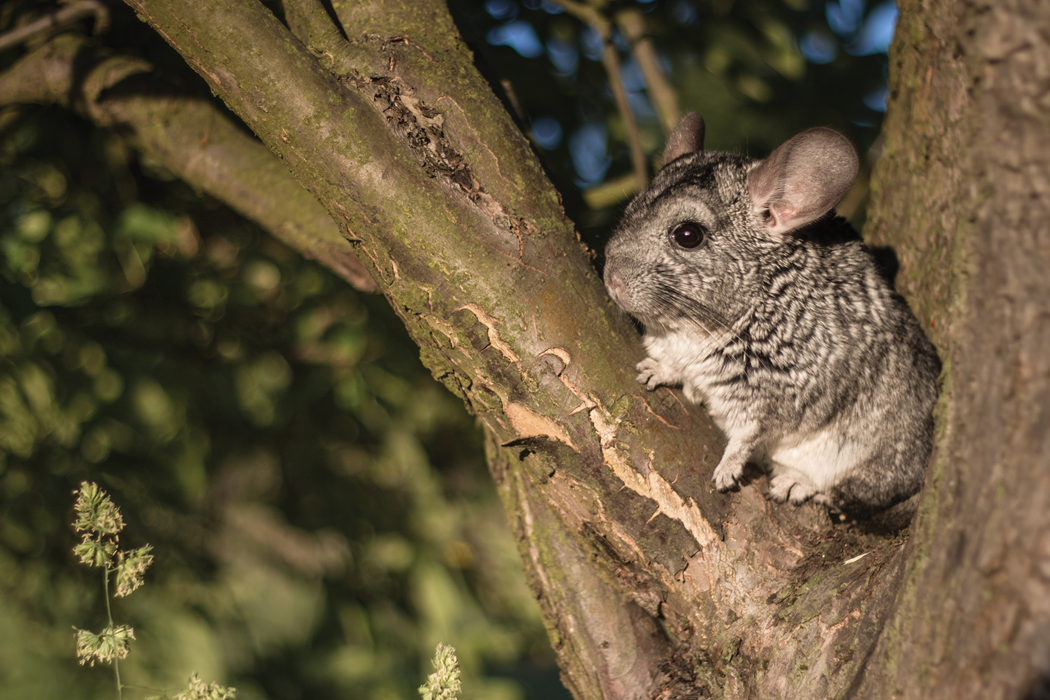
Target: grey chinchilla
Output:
[(765, 306)]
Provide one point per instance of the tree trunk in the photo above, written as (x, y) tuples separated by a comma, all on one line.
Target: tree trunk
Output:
[(963, 196), (651, 583)]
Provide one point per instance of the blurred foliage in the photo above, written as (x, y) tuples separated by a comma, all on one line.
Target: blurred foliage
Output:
[(758, 71), (319, 507)]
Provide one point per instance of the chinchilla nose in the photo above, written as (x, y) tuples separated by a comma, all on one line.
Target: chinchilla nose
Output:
[(614, 283)]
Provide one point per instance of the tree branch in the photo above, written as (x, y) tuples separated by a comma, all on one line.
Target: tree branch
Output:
[(611, 61), (190, 137), (592, 15), (59, 18), (310, 23), (664, 97)]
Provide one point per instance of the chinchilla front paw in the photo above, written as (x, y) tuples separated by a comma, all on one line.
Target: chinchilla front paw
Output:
[(787, 487), (726, 477), (653, 374)]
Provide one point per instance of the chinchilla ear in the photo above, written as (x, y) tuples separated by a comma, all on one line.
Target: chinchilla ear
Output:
[(803, 178), (687, 137)]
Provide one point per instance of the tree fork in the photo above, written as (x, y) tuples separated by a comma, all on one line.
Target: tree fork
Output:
[(608, 487)]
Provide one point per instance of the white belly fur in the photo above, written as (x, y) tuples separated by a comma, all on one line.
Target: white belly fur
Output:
[(824, 458)]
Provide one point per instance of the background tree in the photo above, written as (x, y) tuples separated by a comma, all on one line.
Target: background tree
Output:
[(649, 583)]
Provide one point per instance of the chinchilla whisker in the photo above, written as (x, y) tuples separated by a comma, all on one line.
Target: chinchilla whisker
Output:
[(699, 314), (711, 324)]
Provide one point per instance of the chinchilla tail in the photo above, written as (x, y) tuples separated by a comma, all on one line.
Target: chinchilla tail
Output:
[(893, 519)]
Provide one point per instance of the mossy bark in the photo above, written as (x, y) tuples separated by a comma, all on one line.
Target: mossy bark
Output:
[(964, 196), (652, 584)]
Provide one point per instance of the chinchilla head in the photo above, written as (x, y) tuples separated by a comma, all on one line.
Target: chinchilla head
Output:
[(703, 244)]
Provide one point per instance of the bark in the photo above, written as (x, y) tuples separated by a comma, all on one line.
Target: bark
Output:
[(652, 584), (967, 142)]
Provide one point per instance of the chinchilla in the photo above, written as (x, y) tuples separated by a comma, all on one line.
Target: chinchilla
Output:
[(765, 306)]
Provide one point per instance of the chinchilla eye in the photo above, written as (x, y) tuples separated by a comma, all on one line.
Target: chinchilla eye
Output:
[(688, 235)]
